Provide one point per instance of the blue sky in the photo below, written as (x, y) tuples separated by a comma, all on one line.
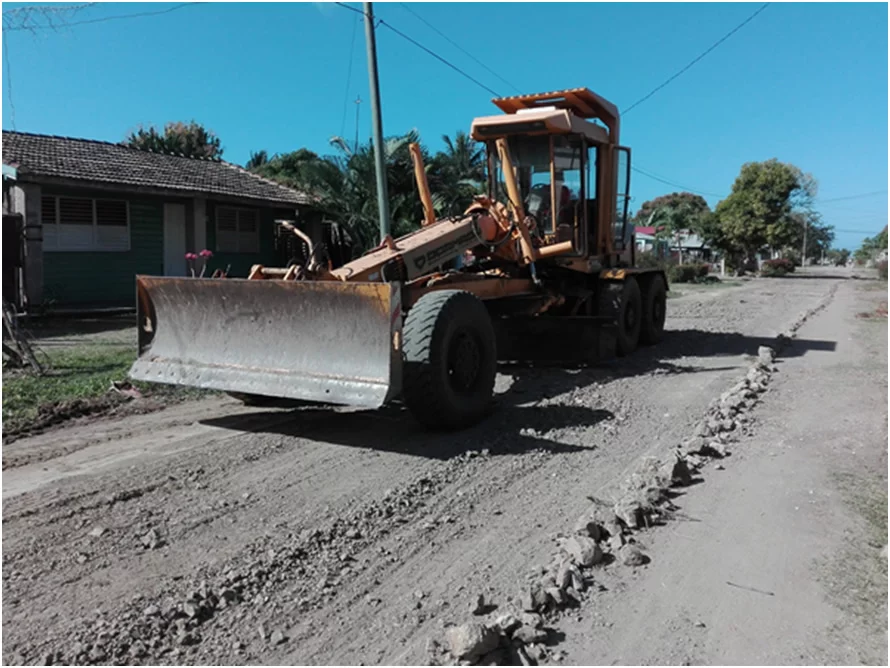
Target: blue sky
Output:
[(805, 83)]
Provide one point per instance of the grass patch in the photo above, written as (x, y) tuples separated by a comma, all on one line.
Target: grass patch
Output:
[(856, 579), (696, 288), (84, 372)]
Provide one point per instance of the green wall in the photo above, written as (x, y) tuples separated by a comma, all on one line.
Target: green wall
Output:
[(108, 278), (242, 262)]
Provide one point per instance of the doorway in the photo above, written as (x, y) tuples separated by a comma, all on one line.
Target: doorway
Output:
[(174, 240)]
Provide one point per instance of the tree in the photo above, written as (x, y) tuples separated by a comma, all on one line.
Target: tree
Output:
[(457, 174), (871, 247), (758, 211), (673, 214), (694, 205), (191, 140), (257, 159)]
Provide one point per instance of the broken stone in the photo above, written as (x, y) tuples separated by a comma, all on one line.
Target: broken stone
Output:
[(616, 542), (97, 532), (277, 637), (630, 513), (151, 539), (530, 635), (677, 472), (190, 608), (631, 555), (478, 607), (766, 355), (507, 624), (521, 654), (353, 534), (470, 641), (556, 595), (583, 550), (532, 598), (532, 619), (262, 632)]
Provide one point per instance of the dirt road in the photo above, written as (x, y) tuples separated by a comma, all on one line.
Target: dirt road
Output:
[(214, 534)]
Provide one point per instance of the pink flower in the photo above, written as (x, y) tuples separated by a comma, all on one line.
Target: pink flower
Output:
[(191, 256), (206, 254)]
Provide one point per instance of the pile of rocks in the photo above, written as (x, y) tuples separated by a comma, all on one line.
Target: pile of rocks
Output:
[(511, 640)]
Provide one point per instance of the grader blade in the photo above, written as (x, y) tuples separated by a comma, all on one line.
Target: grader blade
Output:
[(328, 342)]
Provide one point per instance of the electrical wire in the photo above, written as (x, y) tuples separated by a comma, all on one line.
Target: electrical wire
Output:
[(697, 58), (457, 46), (435, 55), (9, 83), (672, 183), (348, 78), (848, 197), (108, 18)]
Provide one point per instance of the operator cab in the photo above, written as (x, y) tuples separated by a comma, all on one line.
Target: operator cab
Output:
[(562, 169)]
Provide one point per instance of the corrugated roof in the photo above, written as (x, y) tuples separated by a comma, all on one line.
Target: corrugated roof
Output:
[(105, 162)]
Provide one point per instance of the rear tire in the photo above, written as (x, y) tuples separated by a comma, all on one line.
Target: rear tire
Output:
[(450, 360), (654, 310), (622, 301)]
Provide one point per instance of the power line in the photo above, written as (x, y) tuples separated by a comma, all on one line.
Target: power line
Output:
[(107, 18), (348, 78), (860, 196), (421, 46), (671, 183), (698, 58), (9, 83), (457, 46)]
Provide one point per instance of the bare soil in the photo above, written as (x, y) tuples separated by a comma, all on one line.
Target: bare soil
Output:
[(212, 533)]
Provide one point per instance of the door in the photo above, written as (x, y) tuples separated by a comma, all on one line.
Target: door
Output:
[(174, 240)]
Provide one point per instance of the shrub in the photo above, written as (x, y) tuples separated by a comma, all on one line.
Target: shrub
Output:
[(882, 269), (687, 273), (778, 267), (649, 260), (772, 271)]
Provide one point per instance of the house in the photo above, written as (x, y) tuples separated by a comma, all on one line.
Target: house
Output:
[(648, 242), (95, 214)]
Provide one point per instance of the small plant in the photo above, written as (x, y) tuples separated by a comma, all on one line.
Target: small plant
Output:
[(687, 273), (191, 258), (776, 268)]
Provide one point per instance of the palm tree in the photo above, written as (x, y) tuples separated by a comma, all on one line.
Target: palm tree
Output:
[(257, 159)]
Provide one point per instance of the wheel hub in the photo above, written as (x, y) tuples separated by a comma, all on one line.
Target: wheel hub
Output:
[(464, 361)]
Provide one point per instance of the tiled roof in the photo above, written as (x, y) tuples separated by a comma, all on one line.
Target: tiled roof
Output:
[(97, 161)]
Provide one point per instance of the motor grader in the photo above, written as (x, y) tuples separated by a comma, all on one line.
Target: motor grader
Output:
[(540, 268)]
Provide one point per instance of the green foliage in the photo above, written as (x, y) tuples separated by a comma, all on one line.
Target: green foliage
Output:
[(777, 267), (191, 140), (768, 271), (693, 206), (687, 273), (760, 210), (871, 248), (838, 257), (257, 159), (346, 188)]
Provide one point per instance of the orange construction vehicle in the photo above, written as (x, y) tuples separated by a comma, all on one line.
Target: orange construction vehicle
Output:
[(541, 268)]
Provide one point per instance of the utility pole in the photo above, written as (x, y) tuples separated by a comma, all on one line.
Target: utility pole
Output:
[(803, 251), (358, 102), (379, 158)]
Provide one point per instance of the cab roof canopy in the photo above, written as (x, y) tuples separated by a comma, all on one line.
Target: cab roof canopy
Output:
[(582, 102)]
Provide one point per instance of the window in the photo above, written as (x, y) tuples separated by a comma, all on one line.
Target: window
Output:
[(237, 230), (84, 224)]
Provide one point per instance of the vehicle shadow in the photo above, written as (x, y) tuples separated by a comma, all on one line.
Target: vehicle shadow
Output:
[(522, 414)]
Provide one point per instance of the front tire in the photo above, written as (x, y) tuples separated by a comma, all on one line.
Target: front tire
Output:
[(450, 360)]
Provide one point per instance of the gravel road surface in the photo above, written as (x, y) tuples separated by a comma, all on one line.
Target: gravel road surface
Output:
[(212, 533)]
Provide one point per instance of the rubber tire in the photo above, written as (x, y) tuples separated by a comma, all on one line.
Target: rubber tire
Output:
[(430, 328), (655, 295), (614, 300)]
